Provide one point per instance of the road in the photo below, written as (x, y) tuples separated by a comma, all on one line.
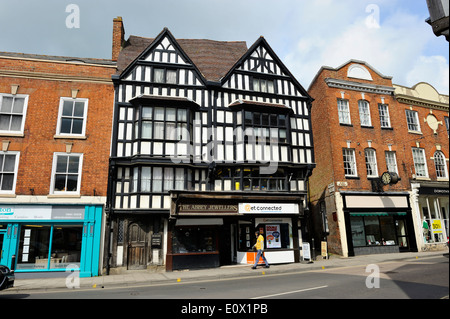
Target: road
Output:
[(412, 279)]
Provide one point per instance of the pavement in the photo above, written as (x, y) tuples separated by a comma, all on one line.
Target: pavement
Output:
[(147, 277)]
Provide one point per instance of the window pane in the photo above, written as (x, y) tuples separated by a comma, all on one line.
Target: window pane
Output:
[(358, 234), (7, 182), (60, 182), (33, 247), (73, 164), (170, 114), (182, 115), (67, 108), (158, 75), (66, 125), (72, 182), (18, 105), (6, 104), (61, 164), (66, 246), (372, 230), (79, 109), (77, 126), (16, 122), (159, 114), (145, 179), (147, 113), (9, 163), (4, 122), (147, 130), (171, 76)]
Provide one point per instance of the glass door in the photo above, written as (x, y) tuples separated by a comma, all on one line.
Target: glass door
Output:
[(2, 236)]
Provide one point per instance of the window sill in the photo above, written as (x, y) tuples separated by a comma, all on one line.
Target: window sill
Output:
[(73, 137), (387, 128), (345, 124), (352, 177), (5, 195), (367, 126), (64, 196), (7, 134), (415, 132)]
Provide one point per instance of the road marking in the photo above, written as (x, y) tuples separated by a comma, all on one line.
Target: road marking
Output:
[(289, 292)]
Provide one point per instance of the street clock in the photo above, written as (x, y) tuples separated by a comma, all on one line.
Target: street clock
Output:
[(389, 178)]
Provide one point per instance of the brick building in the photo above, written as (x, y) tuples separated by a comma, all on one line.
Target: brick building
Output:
[(55, 132), (361, 131), (424, 121)]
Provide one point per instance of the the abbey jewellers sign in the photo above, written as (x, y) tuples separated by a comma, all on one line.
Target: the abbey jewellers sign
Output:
[(207, 208)]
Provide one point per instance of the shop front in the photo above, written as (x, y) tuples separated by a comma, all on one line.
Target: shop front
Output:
[(211, 230), (431, 202), (51, 238), (378, 224)]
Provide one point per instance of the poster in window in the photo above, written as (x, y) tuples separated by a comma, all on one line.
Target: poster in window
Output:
[(273, 239)]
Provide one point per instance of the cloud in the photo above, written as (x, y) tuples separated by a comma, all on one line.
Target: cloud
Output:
[(395, 42), (431, 69)]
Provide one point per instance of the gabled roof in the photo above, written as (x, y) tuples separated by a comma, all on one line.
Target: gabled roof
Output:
[(262, 42), (212, 58)]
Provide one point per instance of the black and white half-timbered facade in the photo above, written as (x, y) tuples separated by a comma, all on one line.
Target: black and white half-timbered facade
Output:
[(211, 141)]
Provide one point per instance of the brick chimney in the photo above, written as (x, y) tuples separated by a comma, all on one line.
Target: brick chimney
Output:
[(118, 37)]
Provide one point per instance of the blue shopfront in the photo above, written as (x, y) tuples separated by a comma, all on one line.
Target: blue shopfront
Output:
[(51, 238)]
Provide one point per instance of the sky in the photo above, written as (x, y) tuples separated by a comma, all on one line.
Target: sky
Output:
[(390, 35)]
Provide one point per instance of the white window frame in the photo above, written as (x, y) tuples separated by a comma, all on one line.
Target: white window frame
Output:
[(364, 113), (24, 112), (412, 119), (350, 153), (344, 112), (53, 179), (16, 170), (391, 161), (419, 159), (439, 155), (383, 110), (85, 112), (370, 156)]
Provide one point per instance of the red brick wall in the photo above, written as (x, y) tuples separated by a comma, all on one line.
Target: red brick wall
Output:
[(38, 143)]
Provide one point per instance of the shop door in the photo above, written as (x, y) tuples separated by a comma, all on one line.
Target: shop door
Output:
[(137, 247)]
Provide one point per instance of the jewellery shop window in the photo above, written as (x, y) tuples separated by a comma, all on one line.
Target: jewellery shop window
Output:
[(49, 247), (194, 239)]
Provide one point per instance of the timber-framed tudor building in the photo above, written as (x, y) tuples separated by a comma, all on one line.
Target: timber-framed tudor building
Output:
[(211, 141)]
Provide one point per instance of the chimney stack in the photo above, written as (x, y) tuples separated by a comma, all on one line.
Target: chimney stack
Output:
[(118, 37)]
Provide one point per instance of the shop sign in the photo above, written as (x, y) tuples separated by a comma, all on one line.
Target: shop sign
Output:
[(433, 191), (437, 226), (268, 208), (207, 208), (38, 212)]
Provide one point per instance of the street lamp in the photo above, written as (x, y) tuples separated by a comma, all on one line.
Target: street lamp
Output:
[(439, 19)]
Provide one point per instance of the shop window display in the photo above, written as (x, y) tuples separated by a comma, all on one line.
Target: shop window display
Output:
[(49, 246), (194, 240)]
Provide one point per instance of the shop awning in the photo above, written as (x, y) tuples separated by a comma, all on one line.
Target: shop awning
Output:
[(378, 214)]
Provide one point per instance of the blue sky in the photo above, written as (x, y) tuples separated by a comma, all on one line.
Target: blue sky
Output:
[(390, 35)]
